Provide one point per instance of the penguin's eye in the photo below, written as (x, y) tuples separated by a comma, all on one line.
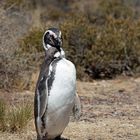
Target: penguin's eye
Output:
[(61, 38), (51, 36)]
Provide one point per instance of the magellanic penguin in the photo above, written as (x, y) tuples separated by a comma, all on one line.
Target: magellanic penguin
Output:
[(55, 94)]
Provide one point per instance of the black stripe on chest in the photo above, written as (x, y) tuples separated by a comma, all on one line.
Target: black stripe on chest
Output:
[(52, 74)]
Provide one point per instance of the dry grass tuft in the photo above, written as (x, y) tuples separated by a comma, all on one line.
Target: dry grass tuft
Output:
[(2, 115), (16, 118), (19, 117)]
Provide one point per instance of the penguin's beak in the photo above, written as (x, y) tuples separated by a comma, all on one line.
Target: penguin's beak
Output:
[(59, 40), (58, 43)]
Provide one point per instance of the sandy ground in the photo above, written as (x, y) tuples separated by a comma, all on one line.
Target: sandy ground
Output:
[(110, 111)]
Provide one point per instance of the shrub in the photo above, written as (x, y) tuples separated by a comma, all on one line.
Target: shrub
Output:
[(102, 51), (78, 36), (114, 51)]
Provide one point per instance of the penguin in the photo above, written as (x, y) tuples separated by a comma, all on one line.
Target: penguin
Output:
[(55, 93)]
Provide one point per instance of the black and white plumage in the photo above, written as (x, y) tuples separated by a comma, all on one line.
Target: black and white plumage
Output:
[(55, 94)]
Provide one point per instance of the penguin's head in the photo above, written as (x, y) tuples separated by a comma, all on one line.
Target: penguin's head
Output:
[(52, 38)]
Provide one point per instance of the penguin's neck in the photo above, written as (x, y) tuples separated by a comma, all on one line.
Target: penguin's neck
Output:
[(48, 46), (57, 54)]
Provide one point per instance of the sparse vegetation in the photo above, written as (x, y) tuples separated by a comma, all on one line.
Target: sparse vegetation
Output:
[(110, 109)]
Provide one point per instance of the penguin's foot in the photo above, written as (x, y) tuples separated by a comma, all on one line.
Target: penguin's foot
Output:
[(60, 138), (42, 138)]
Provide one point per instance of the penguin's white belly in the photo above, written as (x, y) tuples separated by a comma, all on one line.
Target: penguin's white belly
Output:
[(61, 98)]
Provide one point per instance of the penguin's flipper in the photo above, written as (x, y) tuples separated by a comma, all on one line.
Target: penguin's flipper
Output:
[(40, 104), (43, 95), (77, 107)]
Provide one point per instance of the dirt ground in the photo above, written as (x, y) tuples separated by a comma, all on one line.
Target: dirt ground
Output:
[(110, 111)]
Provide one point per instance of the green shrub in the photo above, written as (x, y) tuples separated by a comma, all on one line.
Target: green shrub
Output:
[(102, 51), (117, 46)]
